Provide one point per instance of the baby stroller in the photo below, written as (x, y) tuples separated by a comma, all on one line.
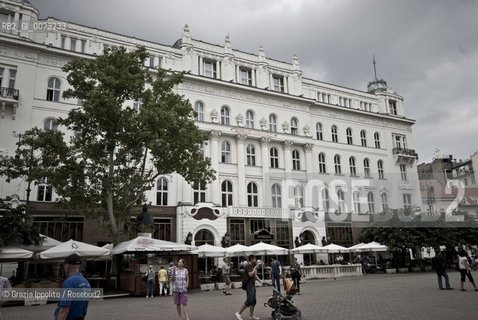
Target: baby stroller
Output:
[(283, 305)]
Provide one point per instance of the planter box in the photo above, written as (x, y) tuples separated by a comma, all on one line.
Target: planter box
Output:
[(402, 270), (207, 286), (415, 269), (427, 268), (220, 286), (391, 270)]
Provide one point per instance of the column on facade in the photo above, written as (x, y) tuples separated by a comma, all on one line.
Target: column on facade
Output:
[(215, 188), (201, 66), (309, 167), (187, 195), (266, 186), (288, 171), (218, 70), (241, 170)]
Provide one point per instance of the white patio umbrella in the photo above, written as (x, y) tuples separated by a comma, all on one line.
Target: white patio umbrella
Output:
[(308, 248), (236, 250), (262, 248), (14, 254), (373, 246), (334, 248), (145, 244), (208, 251), (45, 243), (65, 249), (356, 248)]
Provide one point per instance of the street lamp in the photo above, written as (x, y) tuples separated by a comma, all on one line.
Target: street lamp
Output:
[(225, 240), (301, 238), (189, 239)]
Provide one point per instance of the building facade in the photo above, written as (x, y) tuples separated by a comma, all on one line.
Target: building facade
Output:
[(296, 159)]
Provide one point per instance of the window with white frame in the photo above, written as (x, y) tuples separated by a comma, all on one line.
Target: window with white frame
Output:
[(399, 141), (322, 168), (63, 42), (73, 44), (45, 190), (50, 124), (226, 190), (349, 136), (371, 204), (162, 192), (53, 90), (363, 138), (298, 197), (293, 126), (356, 201), (252, 195), (276, 196), (274, 158), (392, 105), (199, 193), (210, 68), (325, 200), (12, 78), (225, 115), (272, 123), (376, 137), (366, 167), (295, 159), (225, 152), (83, 46), (353, 168), (403, 172), (199, 108), (407, 201), (246, 76), (319, 132), (1, 75), (341, 200), (278, 83), (250, 119), (381, 175), (335, 137), (338, 168), (251, 155), (384, 198)]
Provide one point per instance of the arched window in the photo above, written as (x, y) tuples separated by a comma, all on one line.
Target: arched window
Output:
[(199, 193), (53, 90), (371, 205), (376, 137), (226, 190), (299, 197), (338, 168), (225, 152), (276, 196), (295, 160), (199, 108), (50, 124), (45, 190), (252, 196), (249, 119), (322, 168), (353, 169), (380, 169), (162, 192), (341, 200), (335, 137), (274, 158), (319, 132), (251, 155), (225, 115), (356, 200), (366, 167), (384, 202), (272, 123), (363, 138), (293, 126), (349, 136), (325, 200), (203, 236)]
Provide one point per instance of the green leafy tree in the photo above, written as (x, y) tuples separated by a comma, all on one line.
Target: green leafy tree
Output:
[(117, 152), (14, 227)]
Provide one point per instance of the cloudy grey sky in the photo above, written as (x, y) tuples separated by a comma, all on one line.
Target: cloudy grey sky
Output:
[(426, 50)]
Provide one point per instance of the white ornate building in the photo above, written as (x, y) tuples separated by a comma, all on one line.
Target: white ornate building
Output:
[(286, 148)]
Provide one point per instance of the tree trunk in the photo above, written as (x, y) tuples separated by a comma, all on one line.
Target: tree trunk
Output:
[(109, 194)]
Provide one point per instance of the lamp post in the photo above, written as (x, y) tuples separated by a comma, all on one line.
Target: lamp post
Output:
[(225, 240), (189, 239)]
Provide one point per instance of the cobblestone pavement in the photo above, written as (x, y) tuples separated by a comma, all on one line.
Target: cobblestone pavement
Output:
[(407, 296)]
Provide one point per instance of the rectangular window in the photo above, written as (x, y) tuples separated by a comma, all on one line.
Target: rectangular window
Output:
[(246, 76), (63, 42), (392, 105), (407, 201), (151, 62), (259, 224), (237, 231), (210, 69), (59, 228), (73, 44), (11, 81), (282, 234), (162, 229), (1, 76), (83, 46), (403, 172), (278, 83)]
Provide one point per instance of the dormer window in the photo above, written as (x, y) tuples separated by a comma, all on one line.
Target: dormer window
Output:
[(278, 83), (210, 69), (392, 105), (246, 76)]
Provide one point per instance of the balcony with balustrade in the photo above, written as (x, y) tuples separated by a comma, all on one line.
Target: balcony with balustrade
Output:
[(9, 99)]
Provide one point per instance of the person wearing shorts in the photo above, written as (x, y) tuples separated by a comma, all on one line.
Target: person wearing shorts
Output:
[(226, 267), (180, 279), (250, 274), (465, 270)]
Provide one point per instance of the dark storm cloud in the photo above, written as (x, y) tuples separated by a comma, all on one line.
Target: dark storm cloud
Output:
[(426, 50)]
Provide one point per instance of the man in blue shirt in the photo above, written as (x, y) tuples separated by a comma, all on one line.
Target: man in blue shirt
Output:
[(68, 308), (276, 273)]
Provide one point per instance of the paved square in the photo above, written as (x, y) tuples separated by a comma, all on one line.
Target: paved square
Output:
[(407, 296)]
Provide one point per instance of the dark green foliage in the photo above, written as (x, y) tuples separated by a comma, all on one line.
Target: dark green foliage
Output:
[(14, 226)]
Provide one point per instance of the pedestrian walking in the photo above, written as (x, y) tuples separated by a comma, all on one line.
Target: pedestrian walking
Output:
[(150, 274), (250, 277), (170, 277), (163, 281), (75, 283), (439, 264), (296, 274), (4, 288), (226, 268), (465, 270), (276, 273), (180, 279)]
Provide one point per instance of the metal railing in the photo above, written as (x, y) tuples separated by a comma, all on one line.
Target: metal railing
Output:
[(9, 93), (405, 152)]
